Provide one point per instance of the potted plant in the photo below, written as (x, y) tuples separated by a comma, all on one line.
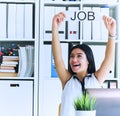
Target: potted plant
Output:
[(85, 105)]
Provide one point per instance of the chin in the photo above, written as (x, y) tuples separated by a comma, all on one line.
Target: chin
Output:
[(75, 71)]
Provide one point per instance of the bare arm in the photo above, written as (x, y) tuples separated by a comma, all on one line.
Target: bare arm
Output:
[(104, 69), (56, 48)]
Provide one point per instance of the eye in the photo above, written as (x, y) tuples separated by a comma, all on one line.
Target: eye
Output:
[(71, 56), (79, 56)]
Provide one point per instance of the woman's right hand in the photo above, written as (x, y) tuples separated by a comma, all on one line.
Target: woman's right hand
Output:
[(57, 19)]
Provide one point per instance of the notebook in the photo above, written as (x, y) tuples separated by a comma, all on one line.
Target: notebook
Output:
[(107, 101)]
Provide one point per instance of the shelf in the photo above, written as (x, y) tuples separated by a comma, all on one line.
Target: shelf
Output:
[(64, 3), (10, 39), (99, 1), (78, 3), (19, 36), (97, 41), (16, 78), (18, 1), (100, 5), (80, 41), (85, 32)]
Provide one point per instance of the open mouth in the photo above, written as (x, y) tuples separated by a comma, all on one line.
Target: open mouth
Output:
[(76, 65)]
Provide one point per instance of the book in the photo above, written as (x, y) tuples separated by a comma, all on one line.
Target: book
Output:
[(98, 60), (87, 26), (46, 60), (48, 26), (3, 20), (7, 70), (28, 21), (7, 67), (20, 21), (9, 63), (22, 62), (8, 74), (64, 47), (73, 24), (49, 12), (113, 84), (26, 61), (53, 68), (12, 21), (104, 11), (30, 61), (62, 26), (10, 58), (96, 35)]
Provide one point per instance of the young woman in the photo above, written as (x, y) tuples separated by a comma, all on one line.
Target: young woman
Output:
[(83, 74)]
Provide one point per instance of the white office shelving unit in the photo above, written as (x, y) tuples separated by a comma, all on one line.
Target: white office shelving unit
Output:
[(19, 94), (50, 87)]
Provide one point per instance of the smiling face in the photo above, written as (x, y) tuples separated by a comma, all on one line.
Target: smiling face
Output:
[(78, 61)]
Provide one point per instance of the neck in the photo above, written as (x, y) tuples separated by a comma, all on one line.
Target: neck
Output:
[(81, 76)]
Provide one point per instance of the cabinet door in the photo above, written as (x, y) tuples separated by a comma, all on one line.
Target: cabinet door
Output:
[(51, 97), (16, 98)]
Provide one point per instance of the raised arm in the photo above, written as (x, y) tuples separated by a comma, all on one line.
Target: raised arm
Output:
[(56, 48), (104, 69)]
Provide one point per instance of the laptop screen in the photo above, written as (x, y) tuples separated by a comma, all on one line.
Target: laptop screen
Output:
[(107, 101)]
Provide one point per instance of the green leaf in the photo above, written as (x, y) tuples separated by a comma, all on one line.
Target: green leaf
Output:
[(85, 102)]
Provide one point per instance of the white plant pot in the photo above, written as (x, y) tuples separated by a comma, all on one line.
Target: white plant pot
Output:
[(85, 113)]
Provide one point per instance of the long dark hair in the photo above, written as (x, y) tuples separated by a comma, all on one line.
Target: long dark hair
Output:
[(89, 54)]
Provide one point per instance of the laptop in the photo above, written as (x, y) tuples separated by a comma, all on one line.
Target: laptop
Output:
[(107, 101)]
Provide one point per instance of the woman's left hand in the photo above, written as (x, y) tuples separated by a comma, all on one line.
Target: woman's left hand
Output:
[(110, 24)]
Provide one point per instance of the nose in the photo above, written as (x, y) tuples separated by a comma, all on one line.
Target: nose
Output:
[(74, 59)]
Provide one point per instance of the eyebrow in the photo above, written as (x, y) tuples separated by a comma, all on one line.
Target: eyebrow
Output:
[(78, 53)]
